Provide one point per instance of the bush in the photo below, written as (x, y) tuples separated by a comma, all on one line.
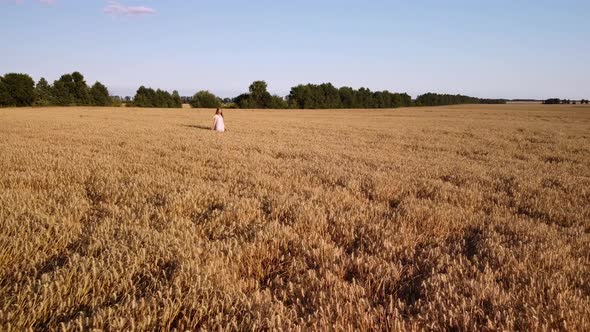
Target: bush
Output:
[(116, 101), (205, 99), (229, 105)]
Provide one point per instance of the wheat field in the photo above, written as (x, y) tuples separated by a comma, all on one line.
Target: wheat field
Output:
[(450, 218)]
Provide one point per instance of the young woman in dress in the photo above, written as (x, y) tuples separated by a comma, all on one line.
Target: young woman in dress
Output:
[(218, 123)]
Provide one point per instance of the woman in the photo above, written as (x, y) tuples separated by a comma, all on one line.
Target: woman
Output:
[(218, 123)]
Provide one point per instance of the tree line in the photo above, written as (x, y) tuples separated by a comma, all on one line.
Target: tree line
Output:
[(309, 96), (554, 101), (72, 90), (69, 90), (326, 96), (434, 99)]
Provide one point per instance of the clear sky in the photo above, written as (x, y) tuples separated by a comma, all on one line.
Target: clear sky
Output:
[(487, 48)]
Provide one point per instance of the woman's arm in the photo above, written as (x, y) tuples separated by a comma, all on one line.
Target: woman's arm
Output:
[(214, 123)]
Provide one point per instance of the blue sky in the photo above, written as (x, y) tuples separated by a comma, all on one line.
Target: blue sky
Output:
[(500, 48)]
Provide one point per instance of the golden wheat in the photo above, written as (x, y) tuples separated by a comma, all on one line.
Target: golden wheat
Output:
[(464, 217)]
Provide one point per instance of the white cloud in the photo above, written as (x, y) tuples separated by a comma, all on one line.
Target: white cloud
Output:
[(116, 8)]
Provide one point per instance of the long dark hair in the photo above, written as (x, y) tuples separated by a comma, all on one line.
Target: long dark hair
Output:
[(219, 111)]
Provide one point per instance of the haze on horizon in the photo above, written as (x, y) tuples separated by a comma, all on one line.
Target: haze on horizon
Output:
[(491, 49)]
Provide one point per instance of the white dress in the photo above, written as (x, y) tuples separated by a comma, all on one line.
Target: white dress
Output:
[(218, 124)]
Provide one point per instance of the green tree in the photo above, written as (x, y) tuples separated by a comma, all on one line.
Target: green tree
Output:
[(329, 96), (143, 97), (21, 89), (63, 91), (258, 88), (5, 99), (71, 89), (99, 95), (244, 101), (116, 101), (347, 97), (176, 100), (205, 99), (43, 93), (301, 97), (259, 97), (80, 89), (365, 98), (164, 99), (277, 102)]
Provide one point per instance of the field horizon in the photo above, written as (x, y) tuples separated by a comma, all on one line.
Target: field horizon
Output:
[(466, 217)]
